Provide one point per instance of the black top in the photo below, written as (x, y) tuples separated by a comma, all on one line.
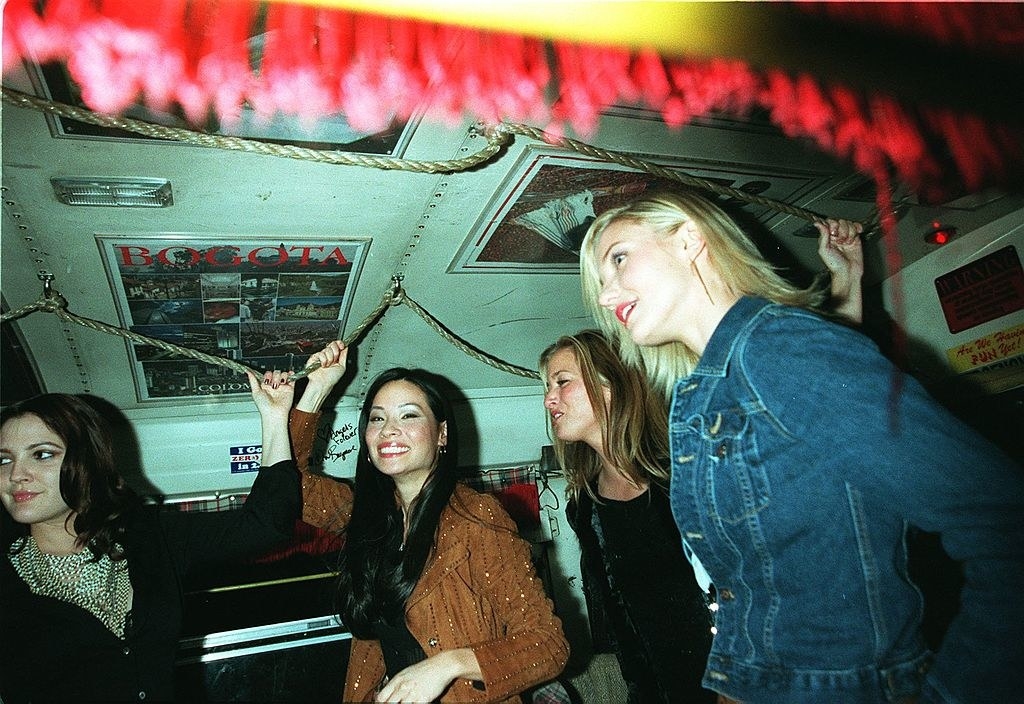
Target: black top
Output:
[(52, 651), (399, 647), (644, 602)]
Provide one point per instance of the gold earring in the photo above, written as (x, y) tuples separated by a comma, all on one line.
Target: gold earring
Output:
[(693, 266)]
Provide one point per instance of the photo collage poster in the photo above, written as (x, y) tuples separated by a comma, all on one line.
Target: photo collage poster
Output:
[(264, 304)]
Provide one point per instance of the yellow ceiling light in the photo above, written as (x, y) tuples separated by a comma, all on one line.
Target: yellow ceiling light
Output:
[(692, 28)]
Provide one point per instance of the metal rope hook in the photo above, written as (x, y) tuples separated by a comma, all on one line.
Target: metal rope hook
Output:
[(397, 292), (51, 301), (47, 280)]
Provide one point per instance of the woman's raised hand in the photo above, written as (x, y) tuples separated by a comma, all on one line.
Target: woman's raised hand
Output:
[(841, 249), (333, 360), (273, 395)]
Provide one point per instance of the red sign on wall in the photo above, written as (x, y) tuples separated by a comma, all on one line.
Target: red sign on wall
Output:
[(983, 290)]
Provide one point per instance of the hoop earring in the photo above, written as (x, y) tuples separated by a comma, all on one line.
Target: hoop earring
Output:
[(693, 266)]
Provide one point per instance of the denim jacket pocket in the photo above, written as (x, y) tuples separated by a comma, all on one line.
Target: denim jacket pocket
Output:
[(725, 450)]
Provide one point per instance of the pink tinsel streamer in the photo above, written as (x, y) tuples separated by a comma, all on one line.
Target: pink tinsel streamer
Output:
[(318, 61)]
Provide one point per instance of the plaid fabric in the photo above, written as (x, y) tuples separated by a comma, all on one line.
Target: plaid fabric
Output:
[(515, 488), (491, 480), (228, 502)]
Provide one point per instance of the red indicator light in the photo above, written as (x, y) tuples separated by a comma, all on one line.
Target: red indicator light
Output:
[(940, 235)]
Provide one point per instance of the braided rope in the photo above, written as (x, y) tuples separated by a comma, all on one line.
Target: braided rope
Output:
[(56, 304), (495, 142), (41, 304), (471, 351), (498, 137)]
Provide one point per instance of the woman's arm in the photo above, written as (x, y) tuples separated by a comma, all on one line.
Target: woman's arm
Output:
[(428, 679), (840, 248), (886, 439), (267, 517), (531, 648), (527, 646), (273, 396), (333, 359), (326, 502)]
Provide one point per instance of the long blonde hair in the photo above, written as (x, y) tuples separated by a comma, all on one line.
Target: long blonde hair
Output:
[(730, 251), (634, 425)]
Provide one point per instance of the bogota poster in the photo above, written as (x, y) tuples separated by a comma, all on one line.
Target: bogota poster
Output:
[(267, 304)]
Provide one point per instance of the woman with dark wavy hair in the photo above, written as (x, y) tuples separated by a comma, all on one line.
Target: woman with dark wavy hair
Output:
[(435, 583), (90, 578)]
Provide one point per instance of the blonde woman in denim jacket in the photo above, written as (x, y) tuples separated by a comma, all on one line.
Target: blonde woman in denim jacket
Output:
[(800, 457)]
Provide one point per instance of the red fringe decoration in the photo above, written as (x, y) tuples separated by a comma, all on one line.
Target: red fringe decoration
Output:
[(995, 27), (313, 61), (211, 57)]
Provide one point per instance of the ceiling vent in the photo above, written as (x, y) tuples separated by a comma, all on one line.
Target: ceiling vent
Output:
[(116, 192)]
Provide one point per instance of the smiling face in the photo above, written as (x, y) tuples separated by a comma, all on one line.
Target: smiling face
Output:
[(31, 455), (646, 280), (567, 400), (402, 433)]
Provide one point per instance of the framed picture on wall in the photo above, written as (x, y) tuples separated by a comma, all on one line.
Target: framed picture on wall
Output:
[(51, 81), (265, 303), (543, 209)]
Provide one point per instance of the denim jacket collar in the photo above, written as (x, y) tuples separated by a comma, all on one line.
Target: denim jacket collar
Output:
[(715, 359)]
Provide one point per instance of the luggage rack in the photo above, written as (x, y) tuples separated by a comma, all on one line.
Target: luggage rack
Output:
[(261, 639), (293, 661)]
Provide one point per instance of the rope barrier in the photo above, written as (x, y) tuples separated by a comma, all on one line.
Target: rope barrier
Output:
[(496, 140), (471, 351), (498, 137), (54, 302)]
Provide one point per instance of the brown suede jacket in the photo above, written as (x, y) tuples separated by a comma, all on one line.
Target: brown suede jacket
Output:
[(478, 590)]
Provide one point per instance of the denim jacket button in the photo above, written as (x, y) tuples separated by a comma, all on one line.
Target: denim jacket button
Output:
[(726, 595), (721, 451)]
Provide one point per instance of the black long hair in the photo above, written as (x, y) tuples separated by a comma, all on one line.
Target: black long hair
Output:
[(89, 481), (377, 573)]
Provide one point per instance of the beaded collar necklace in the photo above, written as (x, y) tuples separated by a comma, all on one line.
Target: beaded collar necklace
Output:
[(101, 587)]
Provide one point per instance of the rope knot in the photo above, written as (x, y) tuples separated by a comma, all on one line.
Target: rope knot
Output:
[(496, 133), (53, 303)]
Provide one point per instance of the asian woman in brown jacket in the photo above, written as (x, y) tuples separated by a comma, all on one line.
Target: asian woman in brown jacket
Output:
[(437, 587)]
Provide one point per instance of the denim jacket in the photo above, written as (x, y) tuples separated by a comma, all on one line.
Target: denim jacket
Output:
[(800, 458)]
